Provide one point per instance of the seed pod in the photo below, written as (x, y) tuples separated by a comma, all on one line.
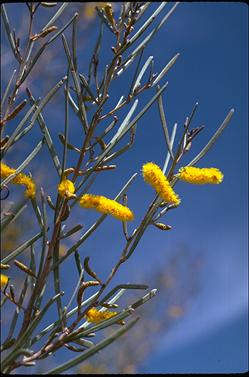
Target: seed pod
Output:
[(43, 33), (90, 271), (24, 268), (16, 110), (4, 266), (68, 145), (163, 226), (81, 290)]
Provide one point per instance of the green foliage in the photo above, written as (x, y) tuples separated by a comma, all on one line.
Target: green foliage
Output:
[(88, 96)]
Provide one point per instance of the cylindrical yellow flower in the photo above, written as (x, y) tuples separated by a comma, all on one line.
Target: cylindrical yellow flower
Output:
[(19, 179), (107, 206), (4, 280), (6, 171), (22, 179), (94, 315), (200, 176), (66, 189), (154, 176)]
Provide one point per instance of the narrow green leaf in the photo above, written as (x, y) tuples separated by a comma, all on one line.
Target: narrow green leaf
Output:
[(144, 299), (6, 92), (21, 248), (87, 87), (66, 125), (164, 125), (82, 109), (96, 50), (46, 99), (32, 63), (172, 139), (213, 139), (130, 125), (17, 310), (75, 229), (147, 23), (63, 28), (165, 69), (144, 43), (74, 44), (14, 214), (122, 128), (15, 135), (78, 262), (142, 72), (55, 16), (37, 212), (136, 71), (122, 286), (8, 30), (24, 164)]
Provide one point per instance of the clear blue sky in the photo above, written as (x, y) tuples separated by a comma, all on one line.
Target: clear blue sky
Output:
[(212, 39)]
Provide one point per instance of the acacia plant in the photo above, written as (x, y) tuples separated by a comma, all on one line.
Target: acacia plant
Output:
[(29, 338)]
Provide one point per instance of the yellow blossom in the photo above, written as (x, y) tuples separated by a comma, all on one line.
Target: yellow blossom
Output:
[(23, 179), (154, 176), (95, 315), (19, 179), (200, 176), (6, 171), (4, 280), (107, 206), (66, 189)]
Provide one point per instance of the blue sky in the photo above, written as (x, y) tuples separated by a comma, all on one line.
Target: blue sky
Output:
[(212, 39)]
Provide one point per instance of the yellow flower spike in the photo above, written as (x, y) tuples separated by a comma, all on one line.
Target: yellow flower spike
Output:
[(95, 315), (200, 176), (107, 206), (66, 189), (154, 176), (6, 171), (4, 280), (20, 179)]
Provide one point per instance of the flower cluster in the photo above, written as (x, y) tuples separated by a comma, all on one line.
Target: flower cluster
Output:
[(19, 179), (154, 176), (66, 189), (107, 206), (200, 176), (95, 315), (3, 280)]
